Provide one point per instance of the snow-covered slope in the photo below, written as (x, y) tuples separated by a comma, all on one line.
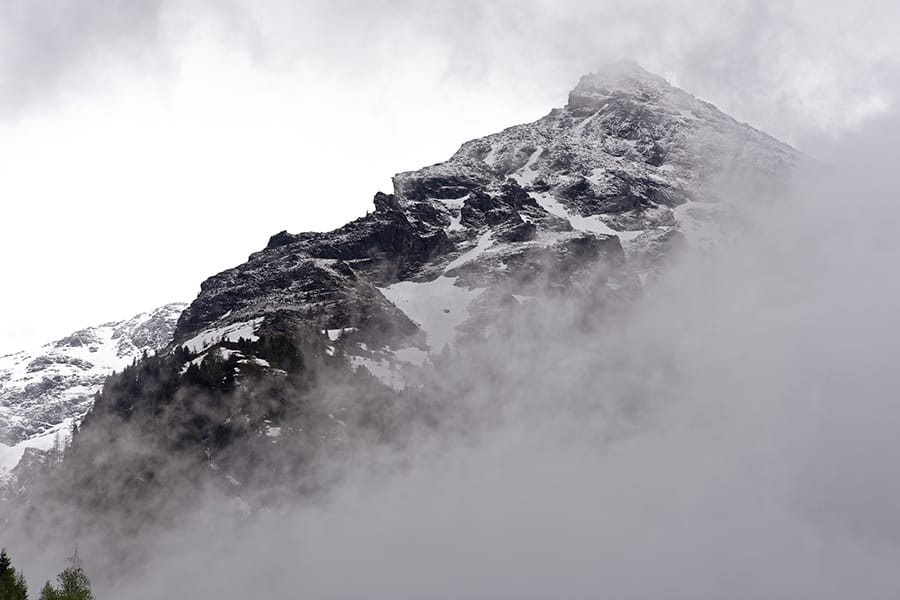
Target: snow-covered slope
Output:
[(43, 390)]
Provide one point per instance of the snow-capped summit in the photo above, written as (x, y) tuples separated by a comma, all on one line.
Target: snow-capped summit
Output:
[(629, 153), (620, 77)]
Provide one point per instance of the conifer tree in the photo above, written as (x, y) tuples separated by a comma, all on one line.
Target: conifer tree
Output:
[(21, 586), (12, 582), (48, 592), (71, 584), (5, 563)]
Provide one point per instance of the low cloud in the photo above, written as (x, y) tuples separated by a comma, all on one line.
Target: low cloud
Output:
[(732, 434), (789, 67)]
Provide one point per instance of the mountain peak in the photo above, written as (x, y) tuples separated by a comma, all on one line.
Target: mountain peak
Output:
[(620, 70), (622, 78)]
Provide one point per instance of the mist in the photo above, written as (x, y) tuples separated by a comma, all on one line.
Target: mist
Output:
[(789, 67), (730, 433)]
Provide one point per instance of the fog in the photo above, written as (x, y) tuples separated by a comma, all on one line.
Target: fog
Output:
[(789, 67), (732, 433)]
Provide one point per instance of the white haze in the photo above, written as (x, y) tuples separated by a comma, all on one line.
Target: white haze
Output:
[(743, 442), (735, 436)]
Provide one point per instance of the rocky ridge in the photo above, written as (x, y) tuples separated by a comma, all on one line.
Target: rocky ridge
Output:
[(631, 168)]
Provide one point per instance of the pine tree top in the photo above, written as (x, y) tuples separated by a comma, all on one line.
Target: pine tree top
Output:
[(5, 562)]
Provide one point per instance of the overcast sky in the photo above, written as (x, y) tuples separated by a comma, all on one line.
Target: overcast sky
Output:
[(147, 144)]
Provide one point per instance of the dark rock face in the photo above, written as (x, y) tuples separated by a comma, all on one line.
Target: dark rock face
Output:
[(434, 182), (333, 279), (616, 194), (327, 278)]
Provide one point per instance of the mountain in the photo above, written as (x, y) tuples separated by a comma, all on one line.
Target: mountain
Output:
[(628, 169), (44, 390), (321, 341)]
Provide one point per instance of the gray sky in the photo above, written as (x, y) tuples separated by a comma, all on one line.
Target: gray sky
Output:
[(146, 145)]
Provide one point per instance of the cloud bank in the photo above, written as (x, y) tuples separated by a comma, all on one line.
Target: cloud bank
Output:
[(786, 66), (733, 433), (734, 436)]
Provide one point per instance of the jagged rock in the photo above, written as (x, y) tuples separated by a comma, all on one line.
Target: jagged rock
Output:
[(385, 202)]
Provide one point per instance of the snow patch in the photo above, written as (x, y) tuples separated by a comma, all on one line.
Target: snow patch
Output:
[(627, 236), (335, 334), (484, 242), (260, 362), (594, 223), (455, 223), (555, 207), (413, 356), (11, 455), (491, 157), (528, 173), (455, 203), (228, 333), (438, 306)]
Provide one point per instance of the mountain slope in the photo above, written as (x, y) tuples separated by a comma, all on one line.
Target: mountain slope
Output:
[(44, 390), (629, 167), (320, 340)]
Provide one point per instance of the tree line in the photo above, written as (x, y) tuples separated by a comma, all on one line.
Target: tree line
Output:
[(71, 584)]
